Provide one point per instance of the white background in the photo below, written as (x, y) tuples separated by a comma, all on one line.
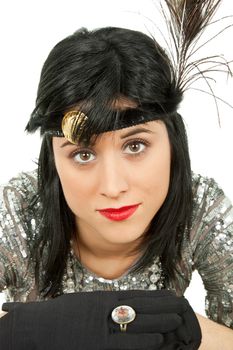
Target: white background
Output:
[(28, 31)]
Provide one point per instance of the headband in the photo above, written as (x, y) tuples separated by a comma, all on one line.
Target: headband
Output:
[(74, 122)]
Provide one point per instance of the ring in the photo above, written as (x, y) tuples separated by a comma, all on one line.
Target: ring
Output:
[(123, 315)]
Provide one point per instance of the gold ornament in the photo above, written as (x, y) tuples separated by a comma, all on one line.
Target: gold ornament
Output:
[(72, 125)]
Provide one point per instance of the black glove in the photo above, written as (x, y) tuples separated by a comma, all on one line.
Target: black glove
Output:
[(82, 321)]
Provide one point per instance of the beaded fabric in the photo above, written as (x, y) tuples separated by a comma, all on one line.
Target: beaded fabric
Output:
[(79, 279), (209, 250)]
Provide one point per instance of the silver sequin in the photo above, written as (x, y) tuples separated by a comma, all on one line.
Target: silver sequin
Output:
[(209, 250)]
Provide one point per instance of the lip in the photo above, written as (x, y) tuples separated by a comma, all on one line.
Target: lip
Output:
[(119, 214)]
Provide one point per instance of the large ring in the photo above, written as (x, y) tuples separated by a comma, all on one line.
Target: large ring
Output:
[(123, 315)]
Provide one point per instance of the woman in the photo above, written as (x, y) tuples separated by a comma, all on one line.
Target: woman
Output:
[(115, 206)]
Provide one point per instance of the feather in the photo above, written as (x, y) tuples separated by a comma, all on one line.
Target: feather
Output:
[(186, 21)]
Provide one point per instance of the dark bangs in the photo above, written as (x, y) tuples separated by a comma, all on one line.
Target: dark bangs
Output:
[(92, 71)]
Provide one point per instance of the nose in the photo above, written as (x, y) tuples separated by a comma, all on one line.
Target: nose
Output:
[(113, 179)]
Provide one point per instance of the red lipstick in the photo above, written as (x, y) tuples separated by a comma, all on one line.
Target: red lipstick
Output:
[(119, 214)]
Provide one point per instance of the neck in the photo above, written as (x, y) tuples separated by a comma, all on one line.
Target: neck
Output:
[(105, 255), (105, 262)]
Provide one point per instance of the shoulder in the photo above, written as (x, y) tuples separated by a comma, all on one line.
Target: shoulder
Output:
[(208, 199), (212, 212), (15, 195), (17, 227), (212, 247), (211, 236), (15, 202), (204, 186), (23, 183)]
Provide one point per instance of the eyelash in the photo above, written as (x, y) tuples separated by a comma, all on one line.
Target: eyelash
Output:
[(129, 143)]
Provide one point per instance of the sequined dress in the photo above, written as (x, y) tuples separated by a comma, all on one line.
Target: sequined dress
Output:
[(209, 251)]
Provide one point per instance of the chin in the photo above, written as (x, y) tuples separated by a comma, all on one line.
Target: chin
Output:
[(124, 237)]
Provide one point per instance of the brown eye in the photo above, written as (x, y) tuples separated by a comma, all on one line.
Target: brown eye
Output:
[(83, 157), (135, 147)]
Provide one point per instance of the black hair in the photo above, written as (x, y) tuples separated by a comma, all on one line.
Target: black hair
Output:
[(94, 69)]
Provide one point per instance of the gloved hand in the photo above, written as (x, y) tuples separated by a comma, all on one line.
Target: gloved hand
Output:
[(82, 321)]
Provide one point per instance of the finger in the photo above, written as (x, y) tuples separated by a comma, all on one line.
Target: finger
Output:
[(147, 305), (176, 345), (182, 333), (9, 306), (131, 294), (187, 335), (192, 325), (129, 341), (161, 323)]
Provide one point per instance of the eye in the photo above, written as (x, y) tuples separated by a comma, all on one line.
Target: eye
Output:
[(83, 156), (135, 147)]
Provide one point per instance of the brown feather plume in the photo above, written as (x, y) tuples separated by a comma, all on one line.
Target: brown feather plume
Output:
[(186, 21)]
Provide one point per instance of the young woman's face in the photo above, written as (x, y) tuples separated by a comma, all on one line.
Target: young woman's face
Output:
[(127, 167)]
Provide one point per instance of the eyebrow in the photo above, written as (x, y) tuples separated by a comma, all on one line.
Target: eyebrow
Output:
[(67, 143), (136, 131), (129, 133)]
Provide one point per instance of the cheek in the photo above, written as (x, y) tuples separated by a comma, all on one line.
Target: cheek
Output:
[(156, 178), (76, 188)]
